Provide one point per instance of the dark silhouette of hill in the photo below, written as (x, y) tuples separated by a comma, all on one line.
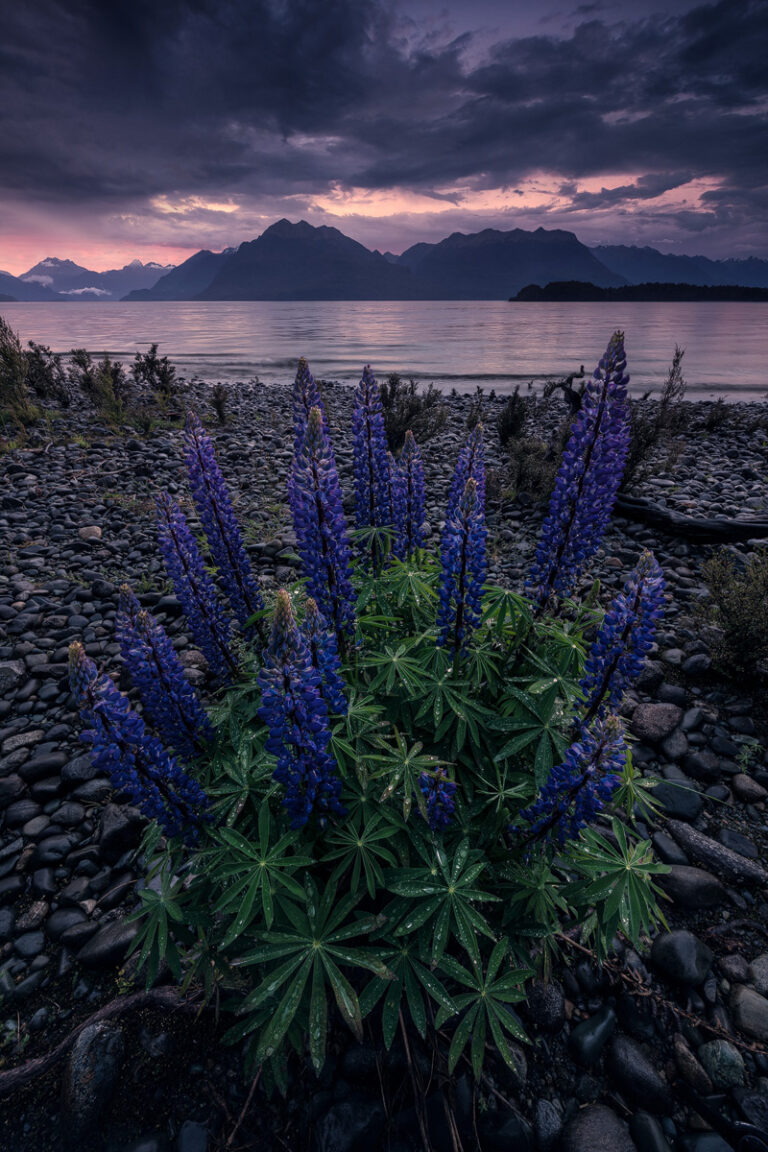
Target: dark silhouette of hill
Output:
[(576, 290), (646, 265)]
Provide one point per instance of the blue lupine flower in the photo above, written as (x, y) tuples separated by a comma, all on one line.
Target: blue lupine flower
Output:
[(438, 791), (135, 761), (296, 714), (324, 654), (371, 471), (581, 786), (217, 515), (197, 594), (397, 502), (412, 469), (463, 563), (170, 701), (321, 533), (624, 639), (588, 480), (470, 464), (305, 396)]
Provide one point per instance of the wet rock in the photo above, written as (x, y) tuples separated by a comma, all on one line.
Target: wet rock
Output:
[(757, 973), (193, 1137), (648, 1134), (549, 1125), (653, 722), (597, 1129), (750, 1011), (348, 1125), (108, 947), (120, 829), (91, 1074), (738, 843), (723, 1064), (692, 888), (80, 769), (681, 957), (12, 674), (748, 790), (735, 969), (637, 1078), (730, 865), (588, 1039), (546, 1006), (89, 532), (689, 1067)]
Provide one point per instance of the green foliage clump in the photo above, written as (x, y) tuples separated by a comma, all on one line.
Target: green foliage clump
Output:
[(219, 402), (511, 419), (156, 375), (739, 603), (408, 410), (15, 400), (104, 383), (46, 375)]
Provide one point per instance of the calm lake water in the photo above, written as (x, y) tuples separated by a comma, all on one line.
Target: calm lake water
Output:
[(453, 343)]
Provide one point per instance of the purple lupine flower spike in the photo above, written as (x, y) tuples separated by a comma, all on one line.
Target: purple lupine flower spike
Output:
[(397, 502), (196, 591), (135, 761), (438, 791), (296, 714), (217, 515), (470, 464), (588, 480), (463, 563), (581, 786), (170, 701), (625, 637), (305, 397), (324, 654), (412, 469), (371, 471), (321, 532)]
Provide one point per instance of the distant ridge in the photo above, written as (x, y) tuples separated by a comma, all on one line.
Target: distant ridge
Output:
[(578, 291), (646, 265), (71, 281)]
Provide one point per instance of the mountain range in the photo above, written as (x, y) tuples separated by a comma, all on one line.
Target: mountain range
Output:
[(54, 279), (301, 262)]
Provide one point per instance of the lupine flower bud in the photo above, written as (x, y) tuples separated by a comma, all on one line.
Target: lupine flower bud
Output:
[(296, 714), (305, 396), (321, 533), (135, 761), (470, 464), (372, 503), (462, 557), (196, 591), (624, 639), (324, 655), (397, 502), (581, 786), (169, 700), (438, 791), (214, 507), (588, 480), (412, 470)]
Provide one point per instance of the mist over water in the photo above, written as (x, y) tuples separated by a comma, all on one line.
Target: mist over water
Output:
[(453, 343)]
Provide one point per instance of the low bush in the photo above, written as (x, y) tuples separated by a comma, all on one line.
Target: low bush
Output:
[(155, 375), (15, 400), (739, 611), (104, 383), (412, 782), (716, 417), (219, 402), (656, 424), (46, 375), (511, 419), (408, 410)]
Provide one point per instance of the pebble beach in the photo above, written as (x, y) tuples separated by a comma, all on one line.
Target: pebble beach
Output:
[(607, 1063)]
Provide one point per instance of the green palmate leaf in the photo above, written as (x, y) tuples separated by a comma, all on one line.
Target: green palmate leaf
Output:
[(485, 1005), (410, 975), (361, 845)]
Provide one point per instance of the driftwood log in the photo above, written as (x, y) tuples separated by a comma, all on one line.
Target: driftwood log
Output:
[(164, 999), (700, 530)]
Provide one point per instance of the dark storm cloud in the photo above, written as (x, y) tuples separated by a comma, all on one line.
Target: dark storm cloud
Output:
[(113, 104)]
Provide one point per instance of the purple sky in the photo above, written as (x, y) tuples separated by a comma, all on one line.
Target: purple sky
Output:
[(135, 128)]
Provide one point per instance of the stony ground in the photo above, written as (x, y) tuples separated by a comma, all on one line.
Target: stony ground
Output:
[(615, 1050)]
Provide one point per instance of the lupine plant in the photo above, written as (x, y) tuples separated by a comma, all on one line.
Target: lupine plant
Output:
[(414, 781)]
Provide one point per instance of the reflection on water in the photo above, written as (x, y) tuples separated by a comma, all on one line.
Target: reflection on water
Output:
[(455, 343)]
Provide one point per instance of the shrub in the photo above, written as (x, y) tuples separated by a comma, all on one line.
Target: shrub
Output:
[(408, 410), (46, 375), (155, 374), (656, 424), (716, 417), (15, 401), (511, 419), (739, 603), (391, 811), (104, 384), (219, 402)]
